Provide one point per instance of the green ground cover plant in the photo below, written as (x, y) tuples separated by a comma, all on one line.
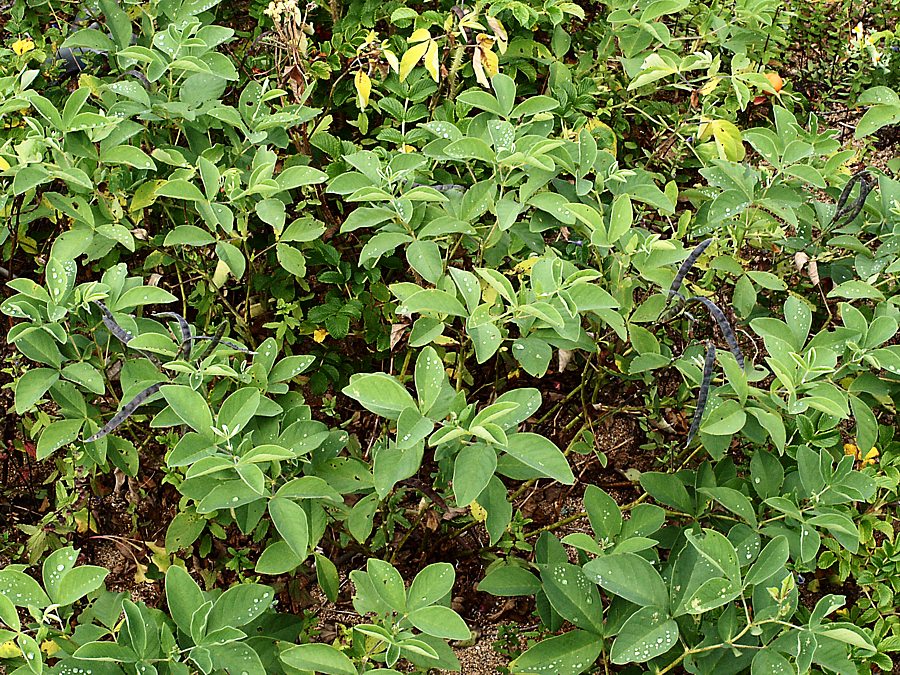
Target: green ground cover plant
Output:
[(329, 318)]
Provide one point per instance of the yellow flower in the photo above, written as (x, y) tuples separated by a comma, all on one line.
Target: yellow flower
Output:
[(21, 46), (870, 458), (319, 334)]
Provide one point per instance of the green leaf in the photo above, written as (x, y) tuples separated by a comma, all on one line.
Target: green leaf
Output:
[(190, 407), (440, 621), (183, 596), (388, 584), (434, 301), (278, 558), (770, 561), (128, 154), (472, 471), (430, 378), (291, 260), (319, 658), (56, 435), (573, 596), (734, 501), (379, 393), (534, 354), (620, 219), (603, 513), (143, 295), (327, 577), (184, 529), (238, 606), (542, 454), (425, 258), (188, 235), (470, 148), (78, 582), (32, 386), (668, 489), (430, 585), (725, 419), (291, 522), (571, 653), (629, 576), (646, 634), (509, 580)]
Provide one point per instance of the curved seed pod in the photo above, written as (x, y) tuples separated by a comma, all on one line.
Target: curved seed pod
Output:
[(704, 391), (213, 341), (114, 328), (724, 326), (228, 343), (126, 412), (686, 265), (848, 213), (185, 329), (123, 335)]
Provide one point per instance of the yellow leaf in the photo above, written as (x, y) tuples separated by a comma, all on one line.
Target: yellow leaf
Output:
[(411, 58), (499, 33), (708, 88), (363, 88), (9, 650), (478, 67), (392, 60), (4, 165), (420, 35), (432, 62), (21, 46), (478, 512), (491, 62), (49, 647), (319, 334)]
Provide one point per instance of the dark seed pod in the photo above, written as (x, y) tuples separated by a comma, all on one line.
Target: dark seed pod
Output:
[(228, 343), (126, 412), (846, 213), (704, 391), (114, 328), (185, 329), (213, 341), (724, 326), (123, 335), (686, 265)]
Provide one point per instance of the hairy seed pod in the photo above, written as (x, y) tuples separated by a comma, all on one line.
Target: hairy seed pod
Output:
[(184, 327), (126, 412), (704, 391), (228, 343), (724, 326), (114, 328), (686, 265), (846, 213)]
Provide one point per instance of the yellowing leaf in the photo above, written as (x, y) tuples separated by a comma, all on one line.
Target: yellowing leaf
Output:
[(432, 62), (411, 58), (319, 334), (727, 137), (363, 88), (491, 62), (20, 47), (392, 60), (420, 35), (478, 67), (499, 33), (9, 650), (49, 647), (708, 88), (478, 512), (4, 165)]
